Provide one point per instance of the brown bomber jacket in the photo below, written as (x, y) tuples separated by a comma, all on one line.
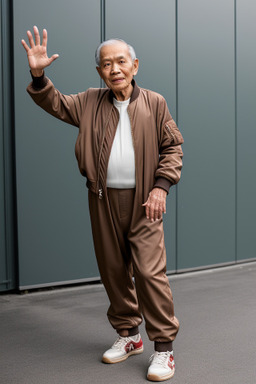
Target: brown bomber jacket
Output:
[(156, 138)]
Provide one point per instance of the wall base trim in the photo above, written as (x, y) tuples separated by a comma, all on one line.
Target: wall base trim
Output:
[(210, 266), (96, 279), (64, 283)]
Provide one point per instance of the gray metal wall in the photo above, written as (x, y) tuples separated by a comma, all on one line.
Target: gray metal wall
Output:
[(8, 261), (206, 110), (246, 129), (54, 235), (200, 55)]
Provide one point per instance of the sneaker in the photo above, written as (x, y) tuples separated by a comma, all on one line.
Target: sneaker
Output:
[(123, 348), (162, 366)]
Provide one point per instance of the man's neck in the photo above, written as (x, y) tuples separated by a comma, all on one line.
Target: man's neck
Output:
[(125, 94)]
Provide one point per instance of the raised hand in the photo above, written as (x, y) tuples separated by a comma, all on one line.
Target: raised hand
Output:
[(37, 54)]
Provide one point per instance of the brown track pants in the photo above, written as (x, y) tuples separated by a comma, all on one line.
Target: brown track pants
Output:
[(127, 244)]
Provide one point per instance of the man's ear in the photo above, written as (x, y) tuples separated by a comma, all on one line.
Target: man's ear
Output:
[(99, 71), (135, 66)]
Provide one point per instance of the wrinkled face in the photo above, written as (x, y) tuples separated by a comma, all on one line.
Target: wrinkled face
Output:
[(116, 67)]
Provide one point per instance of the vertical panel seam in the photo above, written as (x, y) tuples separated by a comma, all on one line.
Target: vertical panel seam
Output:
[(102, 27), (236, 133), (14, 239), (8, 144), (3, 58), (177, 120), (103, 19)]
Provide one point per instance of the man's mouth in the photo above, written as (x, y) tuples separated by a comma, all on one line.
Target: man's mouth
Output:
[(117, 81)]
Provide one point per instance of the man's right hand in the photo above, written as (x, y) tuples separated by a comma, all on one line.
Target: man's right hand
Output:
[(37, 54)]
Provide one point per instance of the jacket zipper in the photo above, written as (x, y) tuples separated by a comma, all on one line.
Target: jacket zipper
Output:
[(133, 146), (100, 193), (99, 186)]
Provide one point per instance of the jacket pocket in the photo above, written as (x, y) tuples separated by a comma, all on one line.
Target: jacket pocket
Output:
[(172, 131)]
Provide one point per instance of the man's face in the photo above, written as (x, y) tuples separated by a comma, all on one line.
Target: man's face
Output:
[(116, 67)]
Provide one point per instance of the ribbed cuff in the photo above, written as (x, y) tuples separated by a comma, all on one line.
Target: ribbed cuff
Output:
[(39, 82), (133, 331), (163, 346), (128, 332), (163, 183)]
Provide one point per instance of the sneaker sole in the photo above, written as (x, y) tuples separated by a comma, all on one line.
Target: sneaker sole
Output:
[(152, 377), (122, 358)]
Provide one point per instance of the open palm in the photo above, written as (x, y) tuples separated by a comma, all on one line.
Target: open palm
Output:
[(37, 53)]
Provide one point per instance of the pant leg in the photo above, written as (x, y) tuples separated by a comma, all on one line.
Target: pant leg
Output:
[(110, 221), (152, 285)]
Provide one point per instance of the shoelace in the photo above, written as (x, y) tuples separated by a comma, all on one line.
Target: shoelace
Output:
[(121, 342), (160, 357)]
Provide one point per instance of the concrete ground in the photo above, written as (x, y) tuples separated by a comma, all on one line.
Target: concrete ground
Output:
[(57, 337)]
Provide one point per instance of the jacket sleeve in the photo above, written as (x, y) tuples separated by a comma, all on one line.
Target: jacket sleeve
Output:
[(65, 107), (170, 153)]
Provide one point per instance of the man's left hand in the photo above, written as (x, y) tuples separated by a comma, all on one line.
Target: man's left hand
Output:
[(155, 204)]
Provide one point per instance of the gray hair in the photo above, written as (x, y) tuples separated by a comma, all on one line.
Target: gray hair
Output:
[(113, 41)]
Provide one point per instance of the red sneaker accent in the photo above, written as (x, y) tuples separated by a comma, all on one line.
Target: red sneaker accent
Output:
[(171, 364), (131, 346)]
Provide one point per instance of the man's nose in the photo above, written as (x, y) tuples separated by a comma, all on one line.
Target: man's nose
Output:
[(115, 68)]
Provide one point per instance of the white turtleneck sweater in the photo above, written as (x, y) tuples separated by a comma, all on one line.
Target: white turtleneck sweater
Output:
[(121, 166)]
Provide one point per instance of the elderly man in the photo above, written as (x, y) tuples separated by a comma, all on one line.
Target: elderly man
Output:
[(129, 149)]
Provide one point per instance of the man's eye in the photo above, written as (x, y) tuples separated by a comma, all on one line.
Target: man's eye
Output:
[(106, 65), (122, 61)]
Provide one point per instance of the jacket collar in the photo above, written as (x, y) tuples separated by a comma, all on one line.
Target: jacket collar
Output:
[(134, 95)]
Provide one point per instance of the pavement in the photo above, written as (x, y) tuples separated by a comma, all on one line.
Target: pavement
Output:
[(58, 336)]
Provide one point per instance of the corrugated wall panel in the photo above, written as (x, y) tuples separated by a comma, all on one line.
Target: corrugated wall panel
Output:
[(3, 276), (206, 109), (7, 199), (54, 234), (246, 129)]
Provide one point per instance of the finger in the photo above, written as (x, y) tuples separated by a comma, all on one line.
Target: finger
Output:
[(155, 212), (54, 57), (23, 42), (30, 39), (147, 211), (44, 42), (151, 213), (155, 207), (144, 205), (37, 35), (161, 207), (158, 212), (151, 210), (164, 210)]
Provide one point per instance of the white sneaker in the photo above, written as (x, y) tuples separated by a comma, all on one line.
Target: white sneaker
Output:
[(162, 366), (123, 348)]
